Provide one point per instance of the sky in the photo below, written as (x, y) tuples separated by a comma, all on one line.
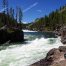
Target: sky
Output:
[(33, 9)]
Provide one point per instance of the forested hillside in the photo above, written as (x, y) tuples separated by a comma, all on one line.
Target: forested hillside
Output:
[(51, 22)]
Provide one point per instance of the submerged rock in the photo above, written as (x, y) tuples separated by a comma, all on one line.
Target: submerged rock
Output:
[(55, 57)]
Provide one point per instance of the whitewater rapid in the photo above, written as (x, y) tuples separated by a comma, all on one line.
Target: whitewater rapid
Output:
[(29, 31), (24, 55)]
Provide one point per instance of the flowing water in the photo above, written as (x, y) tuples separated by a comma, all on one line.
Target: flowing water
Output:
[(35, 48)]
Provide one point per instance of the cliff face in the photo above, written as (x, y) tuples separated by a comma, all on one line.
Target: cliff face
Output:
[(63, 35), (55, 57)]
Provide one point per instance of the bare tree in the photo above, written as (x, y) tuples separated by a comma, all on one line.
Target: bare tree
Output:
[(11, 12), (5, 6), (20, 15), (17, 14)]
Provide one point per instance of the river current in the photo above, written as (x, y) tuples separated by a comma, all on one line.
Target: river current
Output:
[(35, 48)]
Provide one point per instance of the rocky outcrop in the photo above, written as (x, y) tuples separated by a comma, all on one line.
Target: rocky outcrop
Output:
[(60, 63), (4, 36), (15, 36), (55, 57), (61, 32), (63, 35)]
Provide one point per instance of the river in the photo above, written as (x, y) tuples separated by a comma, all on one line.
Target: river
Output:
[(35, 48)]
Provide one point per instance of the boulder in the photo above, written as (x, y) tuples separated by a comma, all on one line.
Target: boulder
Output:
[(42, 62), (55, 57), (62, 48), (15, 36), (61, 63)]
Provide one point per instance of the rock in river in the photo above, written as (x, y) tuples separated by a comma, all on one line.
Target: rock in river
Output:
[(15, 36), (55, 57), (4, 36)]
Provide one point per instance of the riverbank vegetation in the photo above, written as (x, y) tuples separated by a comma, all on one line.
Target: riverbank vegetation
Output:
[(10, 24), (9, 17)]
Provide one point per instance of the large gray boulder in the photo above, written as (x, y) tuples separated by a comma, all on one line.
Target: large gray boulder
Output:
[(55, 57)]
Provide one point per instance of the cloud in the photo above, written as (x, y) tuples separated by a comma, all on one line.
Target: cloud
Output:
[(2, 9), (25, 22), (30, 7), (39, 11)]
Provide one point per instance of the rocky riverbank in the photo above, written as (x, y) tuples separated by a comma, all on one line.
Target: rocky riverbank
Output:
[(55, 57)]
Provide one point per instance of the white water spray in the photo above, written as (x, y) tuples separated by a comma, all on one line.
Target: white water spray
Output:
[(29, 31), (24, 55)]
